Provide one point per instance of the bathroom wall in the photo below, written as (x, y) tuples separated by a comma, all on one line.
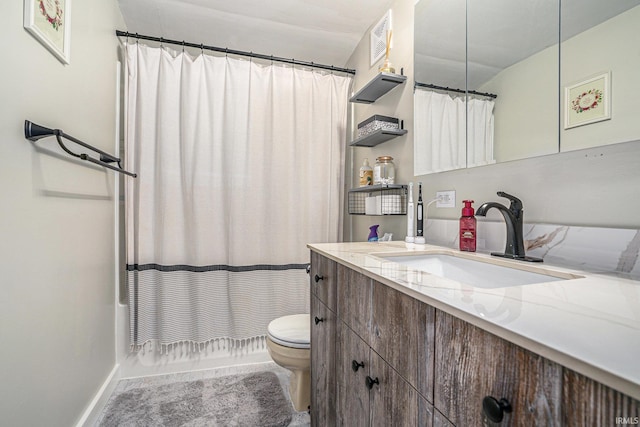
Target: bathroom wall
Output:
[(396, 103), (597, 187), (57, 314)]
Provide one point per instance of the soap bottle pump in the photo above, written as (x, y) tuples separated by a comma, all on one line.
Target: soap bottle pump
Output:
[(468, 228)]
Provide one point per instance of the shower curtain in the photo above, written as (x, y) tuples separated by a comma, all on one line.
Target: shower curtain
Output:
[(239, 167), (451, 133)]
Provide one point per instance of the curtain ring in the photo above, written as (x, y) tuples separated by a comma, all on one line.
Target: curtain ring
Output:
[(137, 38), (182, 46), (202, 48), (226, 52)]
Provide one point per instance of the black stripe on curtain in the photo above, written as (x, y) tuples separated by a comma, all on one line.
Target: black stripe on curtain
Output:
[(216, 267)]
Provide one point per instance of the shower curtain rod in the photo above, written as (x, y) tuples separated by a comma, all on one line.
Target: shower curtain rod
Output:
[(235, 52), (448, 89)]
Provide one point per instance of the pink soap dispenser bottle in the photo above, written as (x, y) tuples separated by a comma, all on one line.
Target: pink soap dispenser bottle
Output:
[(468, 228)]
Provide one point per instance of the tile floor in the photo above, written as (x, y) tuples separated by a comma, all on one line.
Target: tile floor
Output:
[(300, 419)]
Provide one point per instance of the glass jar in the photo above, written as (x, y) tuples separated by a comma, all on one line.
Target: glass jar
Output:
[(384, 171)]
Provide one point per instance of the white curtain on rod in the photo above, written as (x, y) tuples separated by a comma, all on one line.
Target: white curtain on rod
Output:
[(239, 166), (480, 132), (439, 129), (449, 133)]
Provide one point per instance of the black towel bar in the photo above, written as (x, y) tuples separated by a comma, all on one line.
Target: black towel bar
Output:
[(34, 132)]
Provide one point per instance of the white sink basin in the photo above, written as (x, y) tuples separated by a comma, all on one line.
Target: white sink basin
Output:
[(475, 273)]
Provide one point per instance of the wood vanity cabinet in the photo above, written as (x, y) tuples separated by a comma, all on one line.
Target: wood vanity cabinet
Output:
[(352, 368), (377, 346), (354, 301), (323, 339), (323, 364), (586, 402), (472, 364), (429, 368), (369, 392), (323, 280), (393, 401)]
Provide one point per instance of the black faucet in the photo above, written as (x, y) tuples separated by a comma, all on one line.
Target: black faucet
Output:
[(513, 219)]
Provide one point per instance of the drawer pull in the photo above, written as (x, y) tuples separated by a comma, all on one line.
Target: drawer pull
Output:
[(370, 382), (355, 365), (494, 409), (318, 320), (318, 278)]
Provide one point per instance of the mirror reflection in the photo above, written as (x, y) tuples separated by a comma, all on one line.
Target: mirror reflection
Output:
[(511, 50), (439, 60), (600, 84)]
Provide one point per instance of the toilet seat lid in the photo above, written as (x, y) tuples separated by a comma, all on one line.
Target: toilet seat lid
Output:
[(290, 331)]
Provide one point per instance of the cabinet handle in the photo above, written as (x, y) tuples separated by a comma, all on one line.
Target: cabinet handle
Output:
[(355, 365), (318, 278), (370, 382), (318, 320), (494, 409)]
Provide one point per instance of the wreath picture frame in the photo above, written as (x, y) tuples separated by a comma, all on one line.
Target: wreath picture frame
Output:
[(588, 101), (49, 21)]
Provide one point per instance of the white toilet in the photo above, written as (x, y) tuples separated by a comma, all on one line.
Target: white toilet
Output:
[(288, 342)]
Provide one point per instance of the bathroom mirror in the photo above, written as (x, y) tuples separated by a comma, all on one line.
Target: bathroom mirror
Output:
[(512, 50)]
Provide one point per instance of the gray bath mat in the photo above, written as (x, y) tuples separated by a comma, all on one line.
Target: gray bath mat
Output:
[(237, 400)]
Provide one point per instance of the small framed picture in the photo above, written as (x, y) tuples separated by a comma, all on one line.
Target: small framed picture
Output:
[(588, 101), (49, 22), (378, 38)]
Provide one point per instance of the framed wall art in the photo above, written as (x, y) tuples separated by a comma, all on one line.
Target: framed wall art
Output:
[(588, 101), (49, 22), (378, 38)]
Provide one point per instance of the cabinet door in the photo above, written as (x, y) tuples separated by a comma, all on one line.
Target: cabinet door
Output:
[(352, 394), (588, 403), (323, 279), (396, 330), (471, 363), (393, 401), (323, 405), (354, 301)]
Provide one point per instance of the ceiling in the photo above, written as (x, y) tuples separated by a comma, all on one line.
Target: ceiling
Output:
[(325, 31)]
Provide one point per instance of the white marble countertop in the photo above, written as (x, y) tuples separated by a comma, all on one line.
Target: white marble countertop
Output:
[(590, 324)]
